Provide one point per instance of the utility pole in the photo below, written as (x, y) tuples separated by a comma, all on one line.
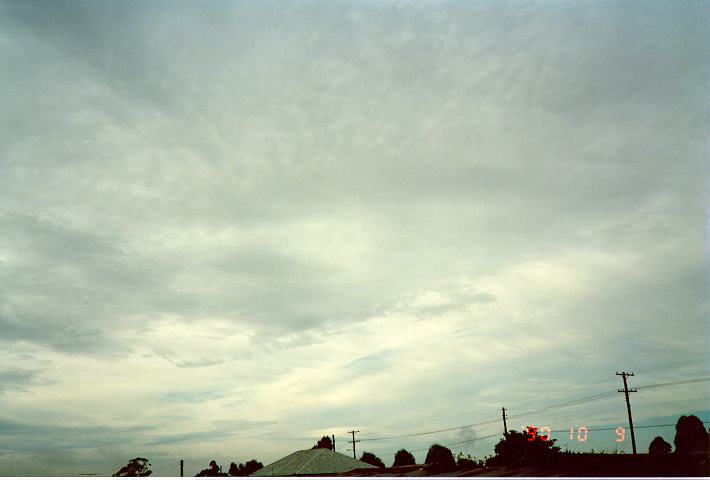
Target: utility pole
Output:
[(333, 442), (182, 467), (505, 426), (354, 442), (628, 406)]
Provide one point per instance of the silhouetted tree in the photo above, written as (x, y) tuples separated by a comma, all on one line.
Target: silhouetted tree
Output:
[(516, 449), (213, 471), (372, 459), (690, 435), (252, 466), (244, 470), (440, 456), (466, 461), (659, 447), (324, 442), (136, 467), (403, 457)]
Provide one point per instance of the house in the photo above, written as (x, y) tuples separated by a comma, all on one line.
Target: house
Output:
[(315, 461)]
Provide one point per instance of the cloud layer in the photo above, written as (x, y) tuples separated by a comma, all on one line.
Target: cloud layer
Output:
[(228, 229)]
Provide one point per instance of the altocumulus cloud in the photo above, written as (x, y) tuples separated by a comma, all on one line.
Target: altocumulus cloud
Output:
[(227, 229)]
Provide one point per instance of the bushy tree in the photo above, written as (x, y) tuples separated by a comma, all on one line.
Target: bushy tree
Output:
[(466, 461), (440, 456), (690, 435), (214, 470), (659, 447), (136, 467), (517, 449), (372, 459), (244, 469), (324, 442), (403, 457)]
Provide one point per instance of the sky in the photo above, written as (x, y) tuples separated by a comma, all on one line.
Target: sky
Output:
[(230, 228)]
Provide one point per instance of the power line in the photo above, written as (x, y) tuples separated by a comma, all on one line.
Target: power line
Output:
[(651, 368), (599, 429), (470, 440), (431, 432), (579, 401), (569, 403), (678, 382), (609, 394)]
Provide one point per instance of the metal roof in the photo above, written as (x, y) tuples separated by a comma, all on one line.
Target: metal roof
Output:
[(315, 461)]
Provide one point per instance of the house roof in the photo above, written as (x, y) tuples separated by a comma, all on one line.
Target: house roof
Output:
[(316, 461)]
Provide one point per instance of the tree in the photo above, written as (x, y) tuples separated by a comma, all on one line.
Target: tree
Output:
[(440, 456), (690, 435), (517, 449), (403, 457), (466, 461), (244, 470), (213, 471), (372, 459), (136, 467), (324, 442), (252, 466), (659, 447)]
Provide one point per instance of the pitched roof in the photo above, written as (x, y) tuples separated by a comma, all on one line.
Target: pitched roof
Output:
[(316, 461)]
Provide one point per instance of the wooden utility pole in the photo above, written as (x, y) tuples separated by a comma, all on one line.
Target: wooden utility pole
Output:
[(333, 436), (505, 426), (626, 392), (354, 442)]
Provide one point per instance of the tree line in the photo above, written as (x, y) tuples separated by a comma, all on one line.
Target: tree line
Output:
[(515, 449)]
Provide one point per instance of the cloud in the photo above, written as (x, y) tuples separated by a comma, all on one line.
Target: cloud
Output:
[(14, 380), (227, 227)]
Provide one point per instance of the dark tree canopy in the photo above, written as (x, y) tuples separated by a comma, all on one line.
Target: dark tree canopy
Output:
[(440, 456), (690, 435), (517, 449), (372, 459), (659, 447), (244, 470), (324, 442), (214, 470), (466, 461), (403, 457), (136, 467)]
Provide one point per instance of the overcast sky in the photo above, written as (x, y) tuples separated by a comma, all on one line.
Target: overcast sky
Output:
[(228, 228)]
